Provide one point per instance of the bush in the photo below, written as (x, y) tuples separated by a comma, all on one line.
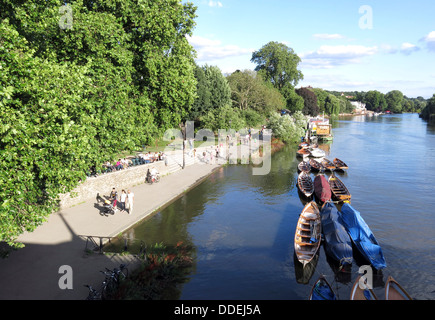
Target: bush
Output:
[(287, 128)]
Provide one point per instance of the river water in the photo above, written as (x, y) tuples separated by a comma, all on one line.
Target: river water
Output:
[(242, 226)]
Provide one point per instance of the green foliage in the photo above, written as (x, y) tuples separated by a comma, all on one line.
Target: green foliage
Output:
[(428, 113), (278, 63), (394, 101), (251, 91), (74, 97), (288, 128), (223, 118), (213, 91)]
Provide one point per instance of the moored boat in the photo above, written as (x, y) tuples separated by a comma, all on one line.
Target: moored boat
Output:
[(328, 164), (394, 291), (322, 290), (305, 184), (322, 190), (316, 165), (337, 242), (339, 164), (361, 291), (362, 236), (304, 166), (317, 152), (338, 189), (308, 233), (303, 152)]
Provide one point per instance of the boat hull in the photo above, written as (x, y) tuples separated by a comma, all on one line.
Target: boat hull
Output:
[(308, 234), (362, 236), (337, 242), (322, 190)]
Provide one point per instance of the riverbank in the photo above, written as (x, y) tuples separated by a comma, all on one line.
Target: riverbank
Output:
[(33, 271), (69, 235)]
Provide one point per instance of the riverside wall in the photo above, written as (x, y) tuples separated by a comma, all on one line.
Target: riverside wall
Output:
[(104, 183)]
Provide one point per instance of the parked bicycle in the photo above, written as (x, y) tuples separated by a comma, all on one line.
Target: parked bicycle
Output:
[(112, 279)]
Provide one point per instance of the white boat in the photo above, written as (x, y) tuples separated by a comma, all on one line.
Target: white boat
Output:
[(317, 153)]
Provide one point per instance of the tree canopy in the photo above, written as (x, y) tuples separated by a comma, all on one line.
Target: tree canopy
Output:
[(80, 83)]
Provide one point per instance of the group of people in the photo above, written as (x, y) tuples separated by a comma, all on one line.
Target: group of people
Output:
[(151, 157), (144, 158), (126, 200), (119, 165)]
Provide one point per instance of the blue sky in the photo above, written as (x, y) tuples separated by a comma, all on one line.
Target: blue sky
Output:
[(344, 45)]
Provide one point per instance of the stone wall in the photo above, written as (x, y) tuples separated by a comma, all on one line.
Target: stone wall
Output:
[(104, 183)]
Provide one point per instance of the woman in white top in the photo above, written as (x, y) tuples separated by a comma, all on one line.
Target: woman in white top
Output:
[(130, 199)]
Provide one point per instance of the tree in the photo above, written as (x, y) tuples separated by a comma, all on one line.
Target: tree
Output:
[(279, 64), (394, 101), (220, 91), (294, 102), (428, 113), (310, 101), (74, 97), (375, 101), (251, 91), (202, 101)]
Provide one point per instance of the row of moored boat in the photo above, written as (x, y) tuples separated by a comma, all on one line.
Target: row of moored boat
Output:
[(329, 218)]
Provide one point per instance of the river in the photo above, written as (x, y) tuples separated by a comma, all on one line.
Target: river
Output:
[(242, 226)]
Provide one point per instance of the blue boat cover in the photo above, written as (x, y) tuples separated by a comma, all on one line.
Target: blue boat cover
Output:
[(322, 291), (338, 244), (362, 236)]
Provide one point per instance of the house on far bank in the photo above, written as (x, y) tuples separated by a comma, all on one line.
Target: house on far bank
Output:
[(360, 108)]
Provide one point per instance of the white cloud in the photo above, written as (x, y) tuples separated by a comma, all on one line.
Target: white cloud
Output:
[(208, 49), (327, 36), (430, 41), (407, 48), (215, 4), (331, 56)]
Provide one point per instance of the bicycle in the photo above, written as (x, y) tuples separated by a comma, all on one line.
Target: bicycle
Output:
[(152, 180), (96, 294), (110, 283)]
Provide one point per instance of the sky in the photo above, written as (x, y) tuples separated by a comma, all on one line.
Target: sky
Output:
[(344, 45)]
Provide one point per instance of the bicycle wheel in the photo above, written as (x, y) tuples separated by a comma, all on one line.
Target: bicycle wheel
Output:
[(108, 289)]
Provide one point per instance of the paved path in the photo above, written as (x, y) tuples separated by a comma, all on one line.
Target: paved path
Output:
[(33, 272)]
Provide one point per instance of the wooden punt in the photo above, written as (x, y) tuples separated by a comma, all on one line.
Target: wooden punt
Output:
[(339, 164), (304, 166), (308, 233), (365, 293), (338, 189), (316, 165), (305, 184), (394, 291), (322, 290), (328, 164)]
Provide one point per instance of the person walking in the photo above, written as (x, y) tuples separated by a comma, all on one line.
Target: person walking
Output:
[(123, 199), (130, 199)]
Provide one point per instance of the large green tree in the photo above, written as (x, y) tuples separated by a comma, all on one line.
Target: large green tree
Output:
[(375, 101), (278, 63), (394, 101), (79, 84), (251, 91)]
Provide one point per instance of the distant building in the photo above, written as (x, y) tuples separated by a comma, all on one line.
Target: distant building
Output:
[(360, 107)]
